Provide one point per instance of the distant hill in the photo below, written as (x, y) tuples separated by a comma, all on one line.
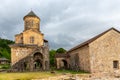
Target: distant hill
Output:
[(4, 48)]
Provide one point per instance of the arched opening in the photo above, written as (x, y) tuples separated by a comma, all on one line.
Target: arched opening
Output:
[(64, 64), (38, 55), (37, 64), (38, 59), (25, 65)]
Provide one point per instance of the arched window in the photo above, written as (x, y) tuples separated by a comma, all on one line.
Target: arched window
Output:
[(31, 39)]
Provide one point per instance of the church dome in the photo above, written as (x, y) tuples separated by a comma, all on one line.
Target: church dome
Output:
[(31, 14)]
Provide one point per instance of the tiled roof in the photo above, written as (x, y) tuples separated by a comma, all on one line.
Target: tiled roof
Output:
[(3, 59), (31, 13), (45, 40), (92, 39)]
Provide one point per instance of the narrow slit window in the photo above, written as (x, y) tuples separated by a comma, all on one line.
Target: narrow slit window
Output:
[(115, 64), (21, 40)]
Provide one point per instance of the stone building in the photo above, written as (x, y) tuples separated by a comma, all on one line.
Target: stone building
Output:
[(4, 61), (100, 54), (30, 51), (61, 60)]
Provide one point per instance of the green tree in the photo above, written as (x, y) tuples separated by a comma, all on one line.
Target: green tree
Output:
[(60, 50), (5, 53), (4, 48), (0, 55), (53, 53), (52, 57)]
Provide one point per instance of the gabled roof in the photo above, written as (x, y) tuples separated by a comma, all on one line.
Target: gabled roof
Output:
[(45, 40), (19, 34), (92, 39), (31, 14), (3, 59)]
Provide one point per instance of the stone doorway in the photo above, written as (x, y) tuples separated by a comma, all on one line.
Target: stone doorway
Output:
[(37, 64), (38, 61), (25, 65), (65, 66)]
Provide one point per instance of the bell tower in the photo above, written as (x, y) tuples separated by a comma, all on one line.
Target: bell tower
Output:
[(31, 21), (30, 48)]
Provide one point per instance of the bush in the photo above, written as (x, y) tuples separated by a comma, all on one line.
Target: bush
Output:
[(4, 66)]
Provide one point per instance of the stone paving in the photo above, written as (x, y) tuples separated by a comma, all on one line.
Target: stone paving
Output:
[(79, 77)]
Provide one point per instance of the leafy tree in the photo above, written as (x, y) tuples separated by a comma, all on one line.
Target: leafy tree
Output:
[(5, 53), (4, 48), (0, 55), (52, 57), (61, 50)]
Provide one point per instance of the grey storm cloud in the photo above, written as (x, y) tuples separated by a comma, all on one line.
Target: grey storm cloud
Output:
[(65, 23)]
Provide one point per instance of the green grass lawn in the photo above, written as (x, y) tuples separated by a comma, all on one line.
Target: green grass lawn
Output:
[(71, 71), (25, 76), (34, 75)]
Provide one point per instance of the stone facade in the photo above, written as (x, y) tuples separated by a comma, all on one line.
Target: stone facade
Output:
[(30, 51), (104, 51), (80, 59), (61, 60), (100, 54)]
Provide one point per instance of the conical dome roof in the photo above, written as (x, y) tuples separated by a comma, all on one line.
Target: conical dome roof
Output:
[(31, 14)]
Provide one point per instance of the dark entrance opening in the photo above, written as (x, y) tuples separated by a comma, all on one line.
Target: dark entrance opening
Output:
[(25, 66), (38, 64), (64, 64), (38, 58), (115, 64)]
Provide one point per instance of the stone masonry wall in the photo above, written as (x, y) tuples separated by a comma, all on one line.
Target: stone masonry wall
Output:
[(32, 22), (18, 38), (103, 51), (19, 53), (80, 59), (38, 37), (25, 54), (59, 62)]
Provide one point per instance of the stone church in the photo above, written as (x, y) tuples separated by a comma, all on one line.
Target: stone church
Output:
[(101, 54), (30, 51)]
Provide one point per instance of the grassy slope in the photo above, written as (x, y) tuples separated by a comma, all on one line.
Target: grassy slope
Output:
[(4, 48), (25, 76), (71, 71), (34, 75)]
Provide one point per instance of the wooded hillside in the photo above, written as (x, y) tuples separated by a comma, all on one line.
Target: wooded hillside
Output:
[(4, 48)]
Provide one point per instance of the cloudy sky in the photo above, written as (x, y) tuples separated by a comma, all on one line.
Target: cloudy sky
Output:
[(65, 23)]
